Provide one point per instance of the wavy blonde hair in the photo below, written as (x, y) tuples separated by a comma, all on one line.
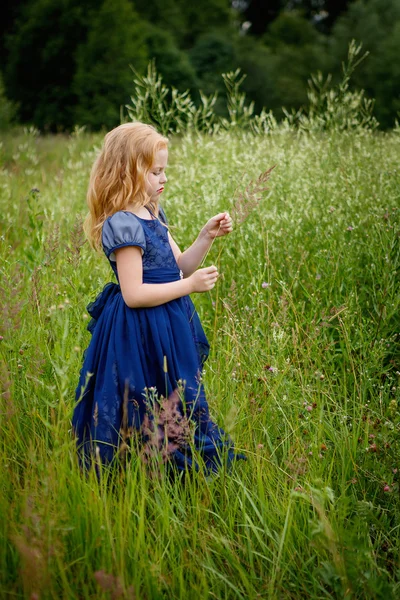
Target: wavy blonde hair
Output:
[(119, 174)]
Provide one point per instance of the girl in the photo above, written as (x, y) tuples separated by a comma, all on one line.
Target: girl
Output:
[(141, 371)]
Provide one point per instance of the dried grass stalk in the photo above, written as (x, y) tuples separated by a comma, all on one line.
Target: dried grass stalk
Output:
[(250, 198)]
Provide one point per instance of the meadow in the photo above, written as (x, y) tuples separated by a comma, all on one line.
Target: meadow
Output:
[(303, 374)]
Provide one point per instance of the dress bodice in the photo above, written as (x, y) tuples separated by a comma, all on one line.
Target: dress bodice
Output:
[(151, 235)]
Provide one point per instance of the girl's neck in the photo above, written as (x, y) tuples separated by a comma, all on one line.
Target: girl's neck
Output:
[(144, 212)]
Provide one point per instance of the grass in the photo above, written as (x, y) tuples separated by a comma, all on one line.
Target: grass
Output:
[(304, 370)]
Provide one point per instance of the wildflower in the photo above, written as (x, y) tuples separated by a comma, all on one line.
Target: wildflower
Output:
[(309, 408), (1, 338), (387, 488), (349, 228), (265, 285), (318, 276), (260, 446)]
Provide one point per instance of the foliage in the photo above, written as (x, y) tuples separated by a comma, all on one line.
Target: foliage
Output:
[(170, 111), (213, 54), (304, 374), (102, 80), (172, 63), (203, 16), (291, 29), (65, 66), (375, 24), (338, 108), (330, 107), (8, 109), (165, 15), (186, 21), (41, 62)]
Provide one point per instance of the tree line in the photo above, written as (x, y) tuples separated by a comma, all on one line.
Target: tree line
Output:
[(69, 62)]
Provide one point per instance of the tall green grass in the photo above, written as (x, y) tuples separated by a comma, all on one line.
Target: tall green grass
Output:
[(304, 370)]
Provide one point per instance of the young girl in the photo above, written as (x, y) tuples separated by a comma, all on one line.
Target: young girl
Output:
[(147, 347)]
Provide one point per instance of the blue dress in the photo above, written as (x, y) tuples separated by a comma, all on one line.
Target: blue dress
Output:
[(141, 375)]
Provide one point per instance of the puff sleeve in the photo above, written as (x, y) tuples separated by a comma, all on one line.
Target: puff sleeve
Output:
[(119, 230)]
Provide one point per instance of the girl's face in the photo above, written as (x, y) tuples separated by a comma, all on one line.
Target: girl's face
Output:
[(156, 178)]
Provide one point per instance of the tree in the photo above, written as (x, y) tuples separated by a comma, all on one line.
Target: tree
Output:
[(9, 14), (213, 54), (103, 80), (166, 15), (204, 16), (375, 23), (171, 62), (324, 13), (292, 29), (41, 60), (296, 49), (260, 13)]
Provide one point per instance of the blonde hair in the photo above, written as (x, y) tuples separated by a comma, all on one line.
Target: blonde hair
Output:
[(119, 174)]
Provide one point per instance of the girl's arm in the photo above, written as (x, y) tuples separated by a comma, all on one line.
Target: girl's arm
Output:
[(137, 294), (190, 259)]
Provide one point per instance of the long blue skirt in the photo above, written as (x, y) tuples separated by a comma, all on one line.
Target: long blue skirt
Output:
[(144, 365)]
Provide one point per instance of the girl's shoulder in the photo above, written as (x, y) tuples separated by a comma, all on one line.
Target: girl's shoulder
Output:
[(123, 228)]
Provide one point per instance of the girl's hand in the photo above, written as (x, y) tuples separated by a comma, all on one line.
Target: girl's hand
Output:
[(218, 226), (203, 280)]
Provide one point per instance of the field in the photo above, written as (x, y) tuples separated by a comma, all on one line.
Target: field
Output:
[(304, 374)]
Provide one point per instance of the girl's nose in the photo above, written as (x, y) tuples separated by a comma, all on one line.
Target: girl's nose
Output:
[(164, 178)]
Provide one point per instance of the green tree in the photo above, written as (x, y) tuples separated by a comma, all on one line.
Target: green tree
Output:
[(167, 15), (186, 21), (204, 16), (375, 23), (261, 13), (7, 109), (171, 62), (103, 80), (213, 54), (259, 64), (292, 29), (296, 49), (41, 60), (323, 12)]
